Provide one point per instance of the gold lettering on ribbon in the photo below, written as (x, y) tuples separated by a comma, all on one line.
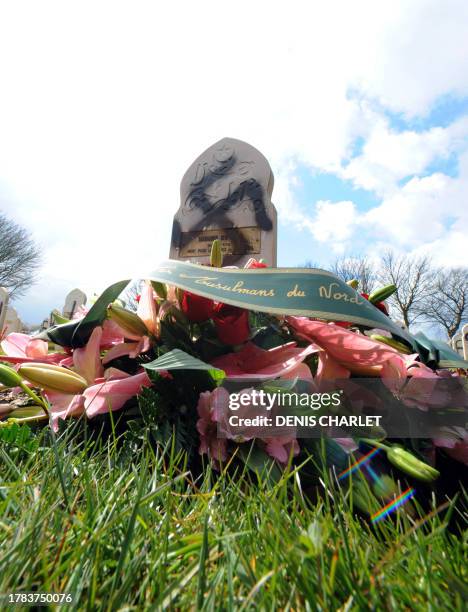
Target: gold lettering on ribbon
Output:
[(239, 288), (207, 281), (330, 293), (296, 292)]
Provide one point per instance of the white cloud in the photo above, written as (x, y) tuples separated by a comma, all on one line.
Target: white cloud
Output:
[(414, 214), (104, 105), (334, 222), (417, 52), (389, 156)]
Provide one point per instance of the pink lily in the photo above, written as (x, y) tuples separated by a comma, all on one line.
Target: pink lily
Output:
[(255, 363), (426, 389), (329, 369), (148, 309), (454, 440), (300, 371), (356, 352), (100, 398), (108, 395), (148, 312), (132, 349), (87, 359), (21, 348), (63, 406), (116, 339), (212, 407), (104, 393), (347, 444), (281, 447), (112, 334)]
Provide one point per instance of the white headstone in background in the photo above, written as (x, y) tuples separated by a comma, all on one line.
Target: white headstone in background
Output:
[(465, 341), (460, 342), (4, 296), (457, 343), (12, 321), (74, 300)]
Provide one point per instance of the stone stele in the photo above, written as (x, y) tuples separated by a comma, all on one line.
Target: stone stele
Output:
[(4, 296), (226, 194), (74, 300)]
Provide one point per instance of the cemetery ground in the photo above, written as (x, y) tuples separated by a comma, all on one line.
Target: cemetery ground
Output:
[(120, 524)]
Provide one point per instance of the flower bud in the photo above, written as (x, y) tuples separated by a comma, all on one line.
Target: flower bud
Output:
[(216, 257), (179, 293), (58, 318), (408, 463), (161, 289), (354, 283), (9, 377), (127, 320), (53, 378), (382, 294), (399, 346)]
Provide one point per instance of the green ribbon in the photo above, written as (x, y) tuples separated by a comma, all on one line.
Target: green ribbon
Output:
[(438, 353), (305, 292)]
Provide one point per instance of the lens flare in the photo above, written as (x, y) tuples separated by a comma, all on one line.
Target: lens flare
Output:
[(359, 464), (393, 505)]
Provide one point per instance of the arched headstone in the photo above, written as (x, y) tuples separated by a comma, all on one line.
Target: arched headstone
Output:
[(459, 342), (4, 297), (464, 333), (74, 300), (12, 321), (226, 194)]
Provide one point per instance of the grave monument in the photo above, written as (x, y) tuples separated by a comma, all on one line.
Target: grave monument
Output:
[(12, 322), (74, 300), (226, 194), (4, 296), (459, 342)]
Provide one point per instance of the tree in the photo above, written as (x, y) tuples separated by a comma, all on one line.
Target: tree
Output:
[(413, 277), (359, 267), (19, 257), (447, 304), (311, 264)]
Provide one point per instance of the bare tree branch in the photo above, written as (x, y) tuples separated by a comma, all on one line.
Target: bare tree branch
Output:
[(311, 264), (20, 257), (413, 277), (359, 267), (447, 304)]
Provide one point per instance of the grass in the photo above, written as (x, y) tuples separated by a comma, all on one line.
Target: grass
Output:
[(121, 525)]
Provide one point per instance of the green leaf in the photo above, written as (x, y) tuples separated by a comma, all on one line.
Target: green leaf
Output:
[(27, 412), (179, 360), (279, 385), (58, 319), (174, 335), (267, 337), (75, 334)]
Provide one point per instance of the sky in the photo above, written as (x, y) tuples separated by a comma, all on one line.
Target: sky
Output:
[(360, 107)]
